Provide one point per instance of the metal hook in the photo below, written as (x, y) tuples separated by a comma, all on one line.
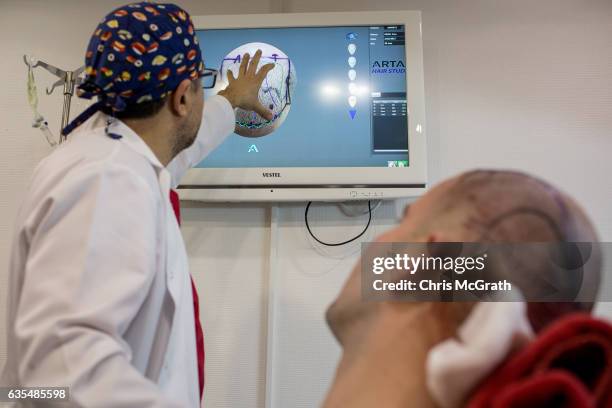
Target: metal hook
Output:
[(31, 62), (67, 79), (27, 61), (56, 84)]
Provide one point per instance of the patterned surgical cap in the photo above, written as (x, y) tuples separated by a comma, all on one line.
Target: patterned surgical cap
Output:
[(139, 53)]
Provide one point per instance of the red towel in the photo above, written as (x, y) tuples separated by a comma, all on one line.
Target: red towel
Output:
[(176, 205), (569, 365)]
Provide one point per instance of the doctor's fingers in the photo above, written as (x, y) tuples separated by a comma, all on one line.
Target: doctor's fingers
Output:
[(252, 68), (244, 64)]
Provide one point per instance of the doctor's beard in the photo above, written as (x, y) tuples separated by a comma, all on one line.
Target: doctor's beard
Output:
[(185, 136)]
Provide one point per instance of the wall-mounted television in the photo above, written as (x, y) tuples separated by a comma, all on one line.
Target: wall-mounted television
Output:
[(347, 97)]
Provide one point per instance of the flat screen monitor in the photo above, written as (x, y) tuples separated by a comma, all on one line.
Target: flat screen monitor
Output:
[(346, 94)]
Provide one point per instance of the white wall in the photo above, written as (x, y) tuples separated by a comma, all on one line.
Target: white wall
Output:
[(519, 84)]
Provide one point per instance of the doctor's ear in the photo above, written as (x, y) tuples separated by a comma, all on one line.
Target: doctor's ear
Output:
[(181, 98)]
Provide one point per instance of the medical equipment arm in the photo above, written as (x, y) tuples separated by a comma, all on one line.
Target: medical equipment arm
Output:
[(68, 79)]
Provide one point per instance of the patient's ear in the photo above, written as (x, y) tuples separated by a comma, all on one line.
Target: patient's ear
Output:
[(442, 245), (445, 236), (438, 236)]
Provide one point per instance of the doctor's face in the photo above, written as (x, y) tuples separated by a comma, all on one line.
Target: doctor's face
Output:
[(190, 124)]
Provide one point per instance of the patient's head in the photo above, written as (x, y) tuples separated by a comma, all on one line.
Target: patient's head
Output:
[(478, 206)]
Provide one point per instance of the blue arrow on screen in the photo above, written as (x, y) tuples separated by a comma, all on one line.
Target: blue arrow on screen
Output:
[(352, 112)]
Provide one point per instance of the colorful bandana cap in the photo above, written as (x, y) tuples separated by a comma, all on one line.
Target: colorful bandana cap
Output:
[(139, 52)]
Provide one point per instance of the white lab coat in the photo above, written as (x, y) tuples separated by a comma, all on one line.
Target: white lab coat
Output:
[(99, 295)]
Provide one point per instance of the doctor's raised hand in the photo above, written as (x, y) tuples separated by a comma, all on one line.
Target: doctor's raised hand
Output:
[(243, 90)]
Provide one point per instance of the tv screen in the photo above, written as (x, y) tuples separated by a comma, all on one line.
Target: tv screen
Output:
[(337, 93)]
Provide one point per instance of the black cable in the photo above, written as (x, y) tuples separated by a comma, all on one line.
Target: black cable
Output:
[(338, 243)]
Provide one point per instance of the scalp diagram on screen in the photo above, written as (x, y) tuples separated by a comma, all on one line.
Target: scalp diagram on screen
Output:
[(275, 92), (348, 109)]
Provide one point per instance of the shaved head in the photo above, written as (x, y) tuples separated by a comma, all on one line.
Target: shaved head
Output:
[(505, 206), (485, 206), (510, 206)]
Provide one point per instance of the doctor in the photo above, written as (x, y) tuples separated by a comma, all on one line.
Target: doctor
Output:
[(100, 296)]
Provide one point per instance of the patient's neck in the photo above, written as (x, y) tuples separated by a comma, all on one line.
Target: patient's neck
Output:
[(386, 367)]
